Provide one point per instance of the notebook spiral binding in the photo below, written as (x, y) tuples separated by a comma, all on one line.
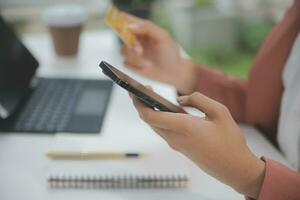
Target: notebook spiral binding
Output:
[(120, 182)]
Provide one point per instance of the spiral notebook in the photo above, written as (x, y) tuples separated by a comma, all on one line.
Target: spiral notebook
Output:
[(161, 168)]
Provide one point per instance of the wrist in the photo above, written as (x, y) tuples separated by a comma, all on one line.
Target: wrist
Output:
[(254, 171), (187, 78)]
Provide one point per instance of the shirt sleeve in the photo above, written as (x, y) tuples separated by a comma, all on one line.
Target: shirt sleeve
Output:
[(227, 90), (280, 183), (257, 100)]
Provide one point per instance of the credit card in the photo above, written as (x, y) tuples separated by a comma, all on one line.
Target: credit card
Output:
[(116, 20)]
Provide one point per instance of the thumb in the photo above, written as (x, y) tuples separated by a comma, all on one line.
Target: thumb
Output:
[(213, 109)]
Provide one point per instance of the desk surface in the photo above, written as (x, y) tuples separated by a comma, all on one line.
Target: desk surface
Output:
[(23, 166)]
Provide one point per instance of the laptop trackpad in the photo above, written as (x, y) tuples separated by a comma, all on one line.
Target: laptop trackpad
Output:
[(90, 110), (92, 102)]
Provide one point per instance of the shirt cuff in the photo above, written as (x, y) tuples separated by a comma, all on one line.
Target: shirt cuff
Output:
[(280, 182)]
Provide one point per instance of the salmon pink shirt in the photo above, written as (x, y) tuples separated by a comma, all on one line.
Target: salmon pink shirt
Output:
[(270, 100)]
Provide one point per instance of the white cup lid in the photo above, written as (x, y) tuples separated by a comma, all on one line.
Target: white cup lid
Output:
[(64, 15)]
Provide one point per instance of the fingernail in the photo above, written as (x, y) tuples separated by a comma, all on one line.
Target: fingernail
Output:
[(134, 26), (146, 64), (149, 87), (138, 49), (130, 95), (182, 99)]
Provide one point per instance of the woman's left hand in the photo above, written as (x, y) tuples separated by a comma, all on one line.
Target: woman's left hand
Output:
[(214, 143)]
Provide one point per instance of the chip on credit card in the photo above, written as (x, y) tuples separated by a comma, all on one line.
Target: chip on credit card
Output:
[(117, 21)]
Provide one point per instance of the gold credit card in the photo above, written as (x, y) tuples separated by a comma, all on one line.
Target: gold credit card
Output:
[(117, 21)]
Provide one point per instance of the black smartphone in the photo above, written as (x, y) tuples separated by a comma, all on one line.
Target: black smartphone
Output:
[(150, 98)]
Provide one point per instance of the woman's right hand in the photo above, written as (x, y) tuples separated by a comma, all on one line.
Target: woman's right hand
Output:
[(215, 143), (157, 56)]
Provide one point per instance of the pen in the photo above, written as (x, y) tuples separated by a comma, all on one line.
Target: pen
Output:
[(90, 155)]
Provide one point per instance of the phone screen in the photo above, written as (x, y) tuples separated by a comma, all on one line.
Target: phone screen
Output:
[(141, 88)]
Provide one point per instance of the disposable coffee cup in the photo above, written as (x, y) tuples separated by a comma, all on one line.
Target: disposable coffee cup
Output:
[(65, 23)]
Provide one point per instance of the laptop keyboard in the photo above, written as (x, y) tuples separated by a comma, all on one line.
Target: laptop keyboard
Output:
[(50, 107)]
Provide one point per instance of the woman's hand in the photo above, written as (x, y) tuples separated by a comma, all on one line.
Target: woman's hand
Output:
[(214, 143), (156, 56)]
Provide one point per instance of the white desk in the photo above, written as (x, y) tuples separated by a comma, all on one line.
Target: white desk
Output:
[(23, 165)]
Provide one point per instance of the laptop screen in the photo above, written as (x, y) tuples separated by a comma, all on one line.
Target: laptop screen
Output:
[(17, 67)]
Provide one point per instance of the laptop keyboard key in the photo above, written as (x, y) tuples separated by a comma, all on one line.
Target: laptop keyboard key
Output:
[(51, 106)]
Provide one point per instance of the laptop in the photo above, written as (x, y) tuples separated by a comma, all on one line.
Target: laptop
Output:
[(45, 105)]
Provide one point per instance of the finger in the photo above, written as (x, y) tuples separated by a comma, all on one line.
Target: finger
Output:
[(143, 27), (162, 132), (138, 48), (137, 68), (149, 87), (171, 137), (132, 66), (130, 95), (212, 108), (134, 60), (131, 18), (164, 120)]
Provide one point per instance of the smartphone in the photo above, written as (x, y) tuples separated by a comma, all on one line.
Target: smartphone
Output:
[(148, 97)]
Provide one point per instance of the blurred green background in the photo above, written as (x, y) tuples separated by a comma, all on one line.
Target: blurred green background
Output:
[(216, 33), (234, 57), (225, 34)]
